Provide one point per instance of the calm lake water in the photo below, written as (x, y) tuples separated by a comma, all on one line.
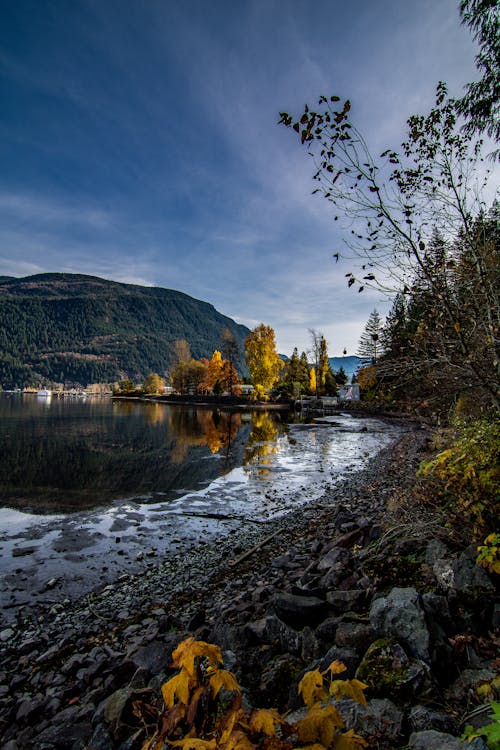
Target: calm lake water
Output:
[(90, 486)]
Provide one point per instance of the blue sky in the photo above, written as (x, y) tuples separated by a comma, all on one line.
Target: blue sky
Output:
[(139, 142)]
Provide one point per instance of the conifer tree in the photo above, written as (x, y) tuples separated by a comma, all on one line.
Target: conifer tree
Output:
[(369, 343)]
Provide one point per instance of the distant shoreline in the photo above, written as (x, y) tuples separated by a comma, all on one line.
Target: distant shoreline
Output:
[(228, 403)]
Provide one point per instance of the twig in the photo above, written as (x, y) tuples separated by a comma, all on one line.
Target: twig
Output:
[(249, 552)]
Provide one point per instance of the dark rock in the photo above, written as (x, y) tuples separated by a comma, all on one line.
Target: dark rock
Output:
[(401, 616), (347, 601), (276, 679), (354, 634), (463, 689), (421, 718), (298, 611), (101, 738), (272, 630), (346, 656), (153, 656), (30, 708), (326, 630), (348, 540), (65, 735)]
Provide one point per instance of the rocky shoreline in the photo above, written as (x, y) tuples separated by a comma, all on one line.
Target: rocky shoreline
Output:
[(353, 576)]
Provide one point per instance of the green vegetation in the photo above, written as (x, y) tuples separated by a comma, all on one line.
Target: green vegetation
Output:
[(70, 328), (490, 731), (466, 475)]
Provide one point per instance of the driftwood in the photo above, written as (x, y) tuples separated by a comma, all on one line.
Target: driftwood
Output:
[(219, 517), (250, 552)]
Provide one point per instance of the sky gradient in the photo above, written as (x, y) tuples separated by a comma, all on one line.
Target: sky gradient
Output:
[(139, 141)]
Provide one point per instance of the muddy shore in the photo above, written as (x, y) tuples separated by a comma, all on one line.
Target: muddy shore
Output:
[(70, 669)]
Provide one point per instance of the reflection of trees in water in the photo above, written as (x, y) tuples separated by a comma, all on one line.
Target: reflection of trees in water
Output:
[(75, 456), (261, 443), (197, 427)]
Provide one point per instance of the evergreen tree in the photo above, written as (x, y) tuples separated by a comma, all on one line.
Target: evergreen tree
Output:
[(369, 343)]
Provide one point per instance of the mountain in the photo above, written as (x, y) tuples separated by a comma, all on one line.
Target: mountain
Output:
[(71, 328), (350, 364)]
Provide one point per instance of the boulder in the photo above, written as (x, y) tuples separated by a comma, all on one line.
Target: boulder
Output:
[(422, 718), (432, 740), (299, 611), (379, 718), (388, 671), (401, 616), (464, 578)]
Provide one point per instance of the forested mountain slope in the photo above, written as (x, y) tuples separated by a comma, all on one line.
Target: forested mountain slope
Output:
[(71, 328)]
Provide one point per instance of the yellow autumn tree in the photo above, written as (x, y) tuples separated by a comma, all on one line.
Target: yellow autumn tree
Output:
[(312, 380), (213, 376), (262, 359)]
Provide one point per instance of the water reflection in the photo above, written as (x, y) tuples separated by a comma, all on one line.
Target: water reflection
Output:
[(261, 444), (64, 456)]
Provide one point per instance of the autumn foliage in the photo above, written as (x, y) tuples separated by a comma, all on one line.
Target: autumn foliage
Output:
[(203, 709)]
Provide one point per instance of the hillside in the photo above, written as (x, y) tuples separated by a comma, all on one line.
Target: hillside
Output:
[(71, 328), (350, 364)]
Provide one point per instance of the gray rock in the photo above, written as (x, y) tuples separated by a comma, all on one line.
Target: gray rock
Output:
[(271, 629), (401, 616), (435, 550), (355, 635), (432, 740), (422, 718), (380, 717), (464, 577), (337, 555)]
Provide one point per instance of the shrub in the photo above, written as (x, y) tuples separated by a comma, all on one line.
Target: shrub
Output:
[(203, 709), (466, 476)]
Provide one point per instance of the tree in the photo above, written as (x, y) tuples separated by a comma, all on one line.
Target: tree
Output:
[(481, 103), (181, 352), (187, 376), (125, 386), (153, 383), (213, 374), (229, 378), (340, 376), (294, 378), (262, 359), (369, 342), (313, 386), (319, 352), (231, 352), (394, 205)]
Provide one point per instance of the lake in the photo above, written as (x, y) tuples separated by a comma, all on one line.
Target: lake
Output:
[(91, 487)]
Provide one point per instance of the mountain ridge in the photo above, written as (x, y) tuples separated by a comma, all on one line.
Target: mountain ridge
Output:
[(79, 329)]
